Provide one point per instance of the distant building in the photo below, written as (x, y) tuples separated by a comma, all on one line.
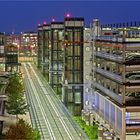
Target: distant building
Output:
[(11, 58), (2, 52), (14, 39), (28, 45)]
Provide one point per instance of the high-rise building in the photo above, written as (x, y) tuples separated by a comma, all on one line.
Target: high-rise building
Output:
[(115, 102), (40, 46), (73, 64), (60, 56), (56, 56)]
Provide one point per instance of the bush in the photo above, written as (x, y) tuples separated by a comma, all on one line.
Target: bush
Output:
[(91, 131)]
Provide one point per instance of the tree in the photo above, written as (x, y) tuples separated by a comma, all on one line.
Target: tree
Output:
[(16, 103), (23, 131), (15, 85)]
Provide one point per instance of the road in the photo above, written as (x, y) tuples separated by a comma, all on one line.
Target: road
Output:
[(47, 112)]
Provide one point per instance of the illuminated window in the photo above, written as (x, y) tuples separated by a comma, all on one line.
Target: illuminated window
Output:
[(77, 97)]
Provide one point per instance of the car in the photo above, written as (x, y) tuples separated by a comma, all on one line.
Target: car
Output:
[(134, 77), (132, 60), (135, 94)]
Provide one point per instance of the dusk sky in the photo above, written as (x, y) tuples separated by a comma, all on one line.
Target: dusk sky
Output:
[(22, 16)]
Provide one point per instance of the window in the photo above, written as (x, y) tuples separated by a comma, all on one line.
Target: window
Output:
[(77, 36), (77, 77), (70, 64), (69, 50), (77, 97), (77, 64), (77, 50)]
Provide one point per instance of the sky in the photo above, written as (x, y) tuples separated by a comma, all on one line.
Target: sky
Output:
[(21, 16)]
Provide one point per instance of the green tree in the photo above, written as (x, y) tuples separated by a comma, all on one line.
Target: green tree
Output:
[(23, 131), (16, 103), (15, 85)]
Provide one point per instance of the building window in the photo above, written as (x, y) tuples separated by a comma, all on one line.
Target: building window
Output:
[(77, 97)]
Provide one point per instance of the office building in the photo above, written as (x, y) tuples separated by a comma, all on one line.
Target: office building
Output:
[(116, 102), (28, 46), (72, 90), (60, 57), (56, 56)]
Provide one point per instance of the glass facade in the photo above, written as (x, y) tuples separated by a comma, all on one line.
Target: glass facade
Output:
[(73, 70), (56, 57)]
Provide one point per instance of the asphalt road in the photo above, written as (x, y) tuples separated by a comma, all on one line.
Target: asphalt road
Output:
[(47, 112)]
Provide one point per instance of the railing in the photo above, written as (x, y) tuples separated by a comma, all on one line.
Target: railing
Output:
[(116, 58), (105, 37), (111, 75), (108, 92)]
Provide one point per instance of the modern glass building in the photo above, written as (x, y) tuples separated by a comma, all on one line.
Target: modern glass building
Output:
[(40, 46), (73, 64), (60, 57), (56, 57), (46, 50)]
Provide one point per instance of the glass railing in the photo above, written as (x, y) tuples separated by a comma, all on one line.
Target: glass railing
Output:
[(109, 56), (108, 92), (109, 74)]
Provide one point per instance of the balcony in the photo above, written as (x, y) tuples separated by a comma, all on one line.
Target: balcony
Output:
[(108, 92), (110, 75), (108, 56)]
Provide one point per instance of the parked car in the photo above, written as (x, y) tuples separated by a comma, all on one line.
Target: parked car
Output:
[(132, 60), (134, 77), (132, 73)]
